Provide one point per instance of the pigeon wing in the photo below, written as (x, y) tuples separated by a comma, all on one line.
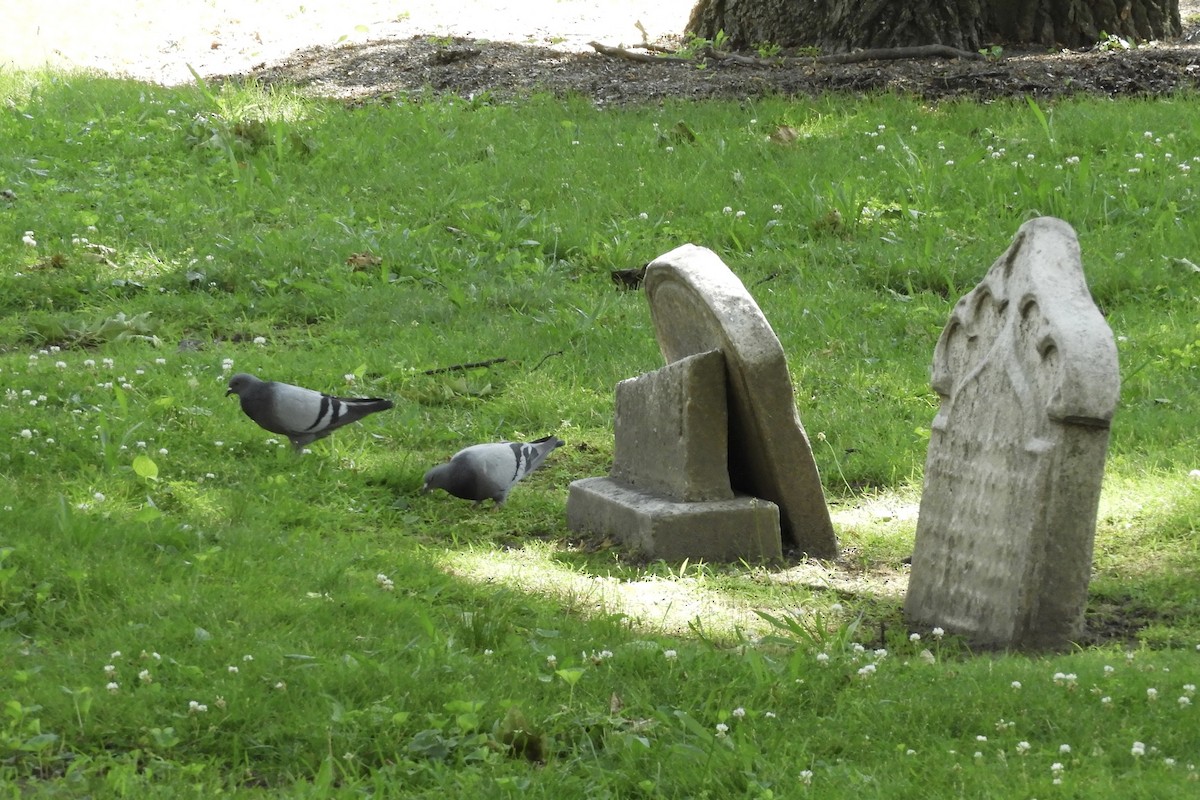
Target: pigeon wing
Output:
[(308, 415), (302, 415)]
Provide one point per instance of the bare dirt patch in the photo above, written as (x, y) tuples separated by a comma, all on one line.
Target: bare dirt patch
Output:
[(505, 70)]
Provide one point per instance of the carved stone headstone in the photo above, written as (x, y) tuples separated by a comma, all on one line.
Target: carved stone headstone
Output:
[(698, 304), (1027, 373), (711, 460)]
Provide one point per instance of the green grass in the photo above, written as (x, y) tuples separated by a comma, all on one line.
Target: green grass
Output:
[(348, 636)]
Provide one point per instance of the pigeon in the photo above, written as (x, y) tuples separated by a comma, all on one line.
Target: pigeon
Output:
[(300, 414), (489, 470)]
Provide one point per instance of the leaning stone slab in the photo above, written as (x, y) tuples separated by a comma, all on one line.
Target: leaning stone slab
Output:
[(698, 304), (740, 528), (1027, 373), (672, 431)]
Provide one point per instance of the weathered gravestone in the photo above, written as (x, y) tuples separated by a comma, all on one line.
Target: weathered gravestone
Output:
[(710, 460), (1027, 373)]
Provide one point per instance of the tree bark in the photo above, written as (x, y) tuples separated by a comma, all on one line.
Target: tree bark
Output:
[(842, 25)]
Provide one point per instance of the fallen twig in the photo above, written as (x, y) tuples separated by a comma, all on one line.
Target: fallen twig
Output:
[(543, 361), (621, 52), (461, 367), (879, 54)]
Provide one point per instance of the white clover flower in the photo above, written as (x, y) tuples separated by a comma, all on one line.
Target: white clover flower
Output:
[(1184, 701), (232, 670), (145, 677), (777, 208), (806, 776), (1138, 749), (727, 210), (551, 661), (109, 670), (220, 702), (489, 651), (914, 637), (160, 361), (1022, 748), (60, 364), (1152, 693), (670, 655), (114, 655), (1106, 700), (1109, 670), (740, 214), (89, 362), (349, 377), (881, 653), (28, 239), (1189, 689), (837, 607), (260, 340), (768, 715), (822, 658), (738, 712), (1015, 684), (162, 451), (937, 633), (643, 215), (113, 687), (722, 729), (866, 671), (281, 686), (1064, 748), (247, 658), (26, 433), (981, 738), (196, 708)]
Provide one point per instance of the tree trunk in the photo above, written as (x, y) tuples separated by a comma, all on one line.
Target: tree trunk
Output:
[(837, 26)]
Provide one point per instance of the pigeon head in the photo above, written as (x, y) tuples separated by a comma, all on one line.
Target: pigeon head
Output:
[(242, 382), (436, 478)]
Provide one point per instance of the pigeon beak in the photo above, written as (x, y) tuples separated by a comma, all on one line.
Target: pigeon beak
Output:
[(425, 488), (229, 391)]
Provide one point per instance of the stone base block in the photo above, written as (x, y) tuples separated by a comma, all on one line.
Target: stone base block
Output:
[(658, 527)]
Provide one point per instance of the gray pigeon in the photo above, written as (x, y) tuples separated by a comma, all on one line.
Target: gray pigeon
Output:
[(302, 415), (489, 470)]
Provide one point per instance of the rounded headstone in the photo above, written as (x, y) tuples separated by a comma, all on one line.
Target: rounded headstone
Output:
[(697, 305)]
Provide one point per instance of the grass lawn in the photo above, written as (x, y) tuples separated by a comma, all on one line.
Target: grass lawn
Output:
[(187, 608)]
